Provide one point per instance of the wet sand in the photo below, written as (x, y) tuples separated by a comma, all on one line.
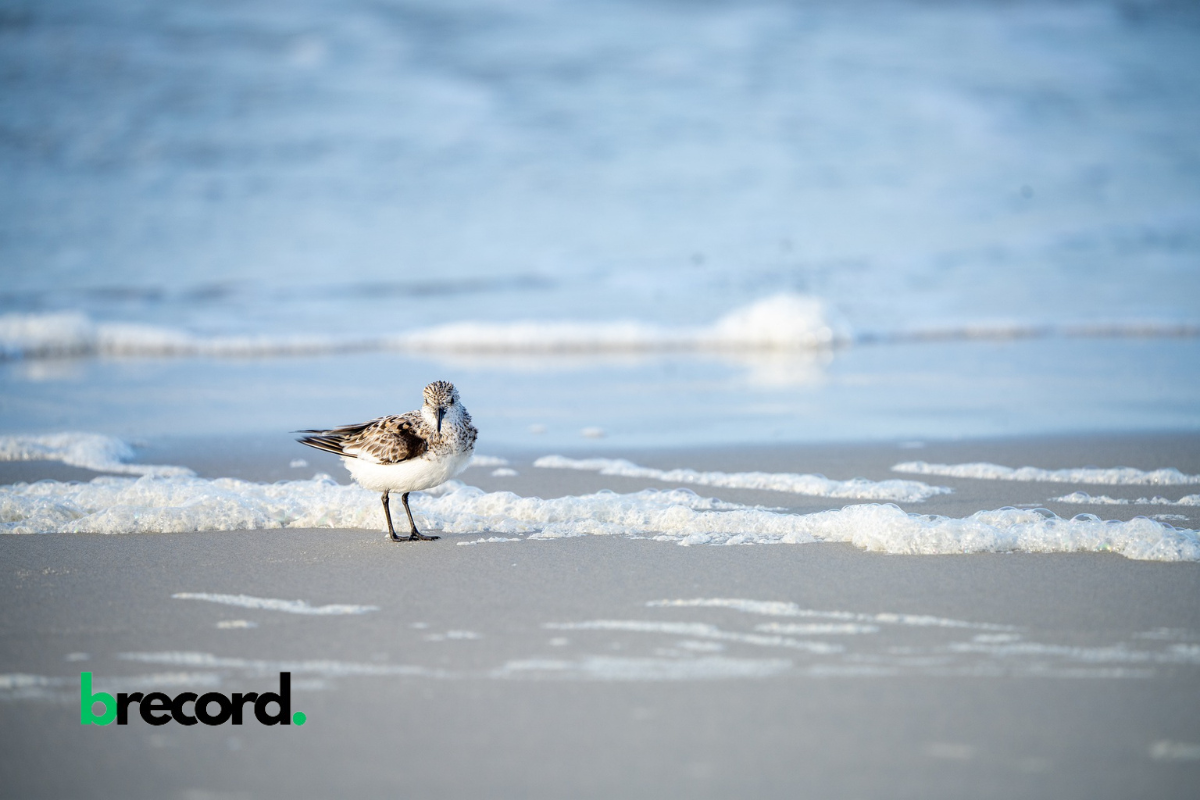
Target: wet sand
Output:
[(543, 669)]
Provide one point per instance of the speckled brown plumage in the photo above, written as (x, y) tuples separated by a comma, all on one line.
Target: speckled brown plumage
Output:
[(386, 440), (405, 452)]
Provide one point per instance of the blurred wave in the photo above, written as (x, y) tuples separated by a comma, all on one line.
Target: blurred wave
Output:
[(783, 323)]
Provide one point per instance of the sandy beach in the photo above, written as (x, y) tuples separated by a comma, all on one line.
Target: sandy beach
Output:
[(836, 371), (603, 666)]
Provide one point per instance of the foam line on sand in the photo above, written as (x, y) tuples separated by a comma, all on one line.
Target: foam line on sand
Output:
[(92, 451), (151, 505), (816, 485), (271, 604), (1112, 476)]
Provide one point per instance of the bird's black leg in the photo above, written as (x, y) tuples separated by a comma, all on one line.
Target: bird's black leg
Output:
[(416, 535), (387, 512)]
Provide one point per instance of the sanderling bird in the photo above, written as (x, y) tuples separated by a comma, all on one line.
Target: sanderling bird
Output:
[(406, 452)]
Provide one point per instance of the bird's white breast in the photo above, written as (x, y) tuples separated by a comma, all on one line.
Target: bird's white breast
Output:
[(423, 472)]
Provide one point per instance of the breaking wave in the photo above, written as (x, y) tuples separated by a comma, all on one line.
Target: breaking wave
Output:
[(782, 322)]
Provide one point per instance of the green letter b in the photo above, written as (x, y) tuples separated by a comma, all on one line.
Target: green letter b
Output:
[(87, 698)]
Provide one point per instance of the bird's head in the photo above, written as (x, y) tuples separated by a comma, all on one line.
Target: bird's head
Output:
[(441, 400)]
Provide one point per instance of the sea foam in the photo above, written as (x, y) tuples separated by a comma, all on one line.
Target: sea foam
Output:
[(273, 604), (152, 504), (1114, 476), (609, 668), (478, 460), (816, 485), (781, 608), (1083, 498), (324, 668), (87, 450), (696, 630)]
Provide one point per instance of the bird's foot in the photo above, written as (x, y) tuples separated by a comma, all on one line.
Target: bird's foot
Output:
[(394, 538), (420, 537)]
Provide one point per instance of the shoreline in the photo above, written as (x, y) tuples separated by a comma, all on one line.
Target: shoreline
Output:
[(603, 666), (267, 459)]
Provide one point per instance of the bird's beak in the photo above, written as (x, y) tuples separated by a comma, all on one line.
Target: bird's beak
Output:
[(441, 413)]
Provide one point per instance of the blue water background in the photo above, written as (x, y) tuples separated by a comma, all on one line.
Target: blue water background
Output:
[(353, 167)]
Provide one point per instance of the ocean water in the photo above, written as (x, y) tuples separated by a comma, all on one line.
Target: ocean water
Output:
[(623, 223)]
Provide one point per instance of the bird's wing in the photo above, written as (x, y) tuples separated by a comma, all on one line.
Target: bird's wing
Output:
[(387, 440)]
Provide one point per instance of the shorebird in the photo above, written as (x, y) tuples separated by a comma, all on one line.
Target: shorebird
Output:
[(405, 452)]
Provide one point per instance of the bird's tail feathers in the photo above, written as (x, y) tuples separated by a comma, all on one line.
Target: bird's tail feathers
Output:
[(324, 440)]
